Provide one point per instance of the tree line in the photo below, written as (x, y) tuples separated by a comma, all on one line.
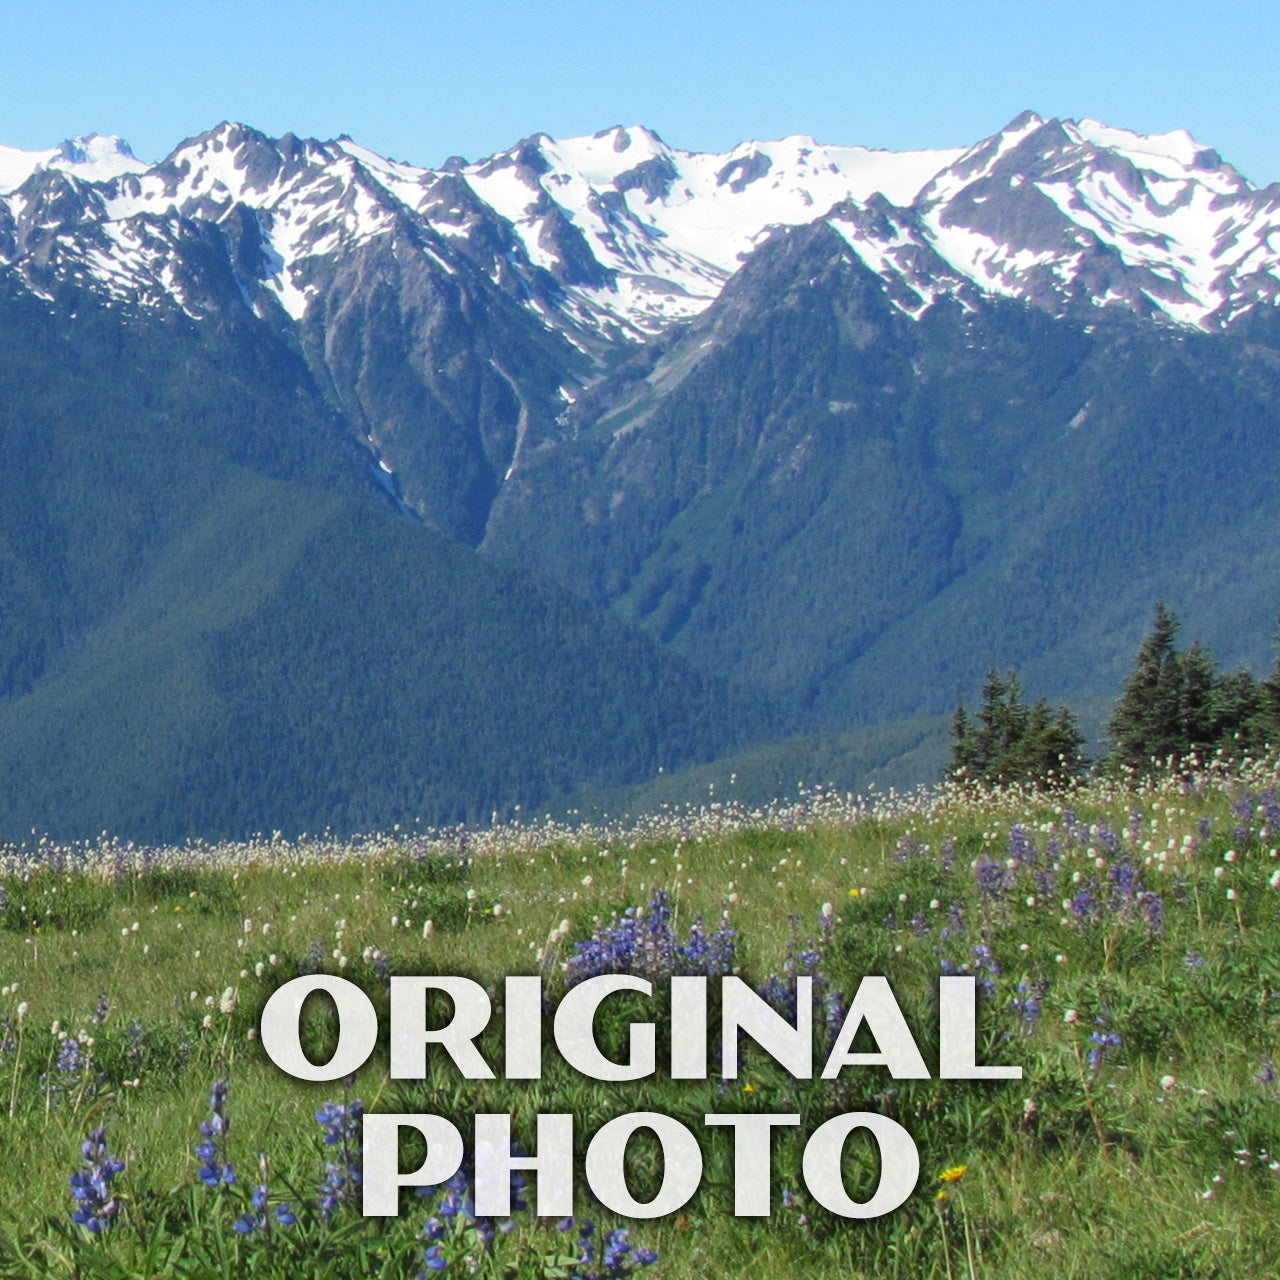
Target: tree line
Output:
[(1176, 704)]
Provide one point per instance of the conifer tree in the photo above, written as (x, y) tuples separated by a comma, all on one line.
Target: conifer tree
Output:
[(1178, 704), (1148, 720), (1010, 742), (1266, 717)]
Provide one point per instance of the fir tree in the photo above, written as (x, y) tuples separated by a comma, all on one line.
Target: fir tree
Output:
[(1178, 704), (1012, 743), (1148, 722)]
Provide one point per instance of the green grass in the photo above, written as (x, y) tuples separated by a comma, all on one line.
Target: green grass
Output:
[(1154, 1162)]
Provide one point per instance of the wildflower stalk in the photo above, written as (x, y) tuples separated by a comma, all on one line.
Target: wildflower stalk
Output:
[(968, 1239), (1109, 949), (946, 1243), (48, 1080), (85, 1071), (17, 1063), (1089, 1101), (227, 1007)]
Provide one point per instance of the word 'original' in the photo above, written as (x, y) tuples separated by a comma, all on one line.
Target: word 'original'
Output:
[(742, 1010)]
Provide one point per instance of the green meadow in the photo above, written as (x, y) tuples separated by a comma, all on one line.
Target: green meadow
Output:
[(1125, 941)]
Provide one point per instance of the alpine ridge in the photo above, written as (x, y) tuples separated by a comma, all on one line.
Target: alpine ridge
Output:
[(620, 235)]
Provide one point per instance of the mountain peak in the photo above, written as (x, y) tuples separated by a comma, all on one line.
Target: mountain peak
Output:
[(95, 148), (91, 157), (229, 135)]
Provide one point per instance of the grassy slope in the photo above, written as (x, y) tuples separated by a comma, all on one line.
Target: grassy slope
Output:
[(1153, 1163)]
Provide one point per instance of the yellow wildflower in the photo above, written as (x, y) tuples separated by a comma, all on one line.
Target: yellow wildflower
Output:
[(954, 1174)]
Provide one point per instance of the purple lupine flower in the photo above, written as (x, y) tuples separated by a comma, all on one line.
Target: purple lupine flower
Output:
[(720, 952), (1027, 1002), (694, 952), (1101, 1041), (993, 879), (985, 968), (1053, 848), (586, 1240), (646, 944), (215, 1170), (96, 1208), (1153, 909), (834, 1011), (779, 995), (69, 1069), (1022, 846), (955, 921), (257, 1220), (1270, 803), (456, 1213), (948, 852), (908, 847), (1084, 904), (344, 1176), (618, 1258), (1135, 825), (617, 1246), (1125, 878)]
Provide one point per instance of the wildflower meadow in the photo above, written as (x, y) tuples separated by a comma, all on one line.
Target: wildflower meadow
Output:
[(1124, 938)]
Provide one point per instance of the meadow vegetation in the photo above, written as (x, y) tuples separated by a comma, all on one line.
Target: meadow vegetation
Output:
[(1124, 934)]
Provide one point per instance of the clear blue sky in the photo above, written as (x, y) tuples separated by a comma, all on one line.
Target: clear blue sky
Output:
[(421, 81)]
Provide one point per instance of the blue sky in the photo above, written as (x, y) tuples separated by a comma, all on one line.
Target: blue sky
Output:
[(421, 81)]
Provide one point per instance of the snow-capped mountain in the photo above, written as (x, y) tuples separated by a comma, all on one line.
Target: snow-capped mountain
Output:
[(1073, 214), (615, 234), (93, 158), (838, 429), (619, 235)]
